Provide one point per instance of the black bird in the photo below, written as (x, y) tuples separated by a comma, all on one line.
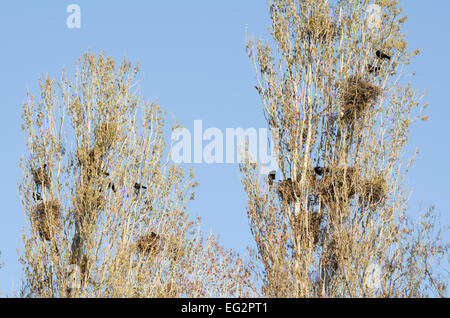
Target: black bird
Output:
[(37, 196), (41, 177), (320, 171), (138, 187), (272, 175), (112, 187), (382, 55), (373, 69)]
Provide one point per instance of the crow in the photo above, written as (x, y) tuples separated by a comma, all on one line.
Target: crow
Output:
[(137, 187), (320, 171), (272, 175), (112, 187), (41, 177), (37, 196), (382, 55)]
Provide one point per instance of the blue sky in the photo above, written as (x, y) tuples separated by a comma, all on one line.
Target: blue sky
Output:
[(193, 61)]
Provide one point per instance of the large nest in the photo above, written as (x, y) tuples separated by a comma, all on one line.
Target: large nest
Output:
[(106, 135), (373, 191), (320, 27), (46, 219), (339, 185), (150, 244), (41, 177), (356, 96), (288, 190)]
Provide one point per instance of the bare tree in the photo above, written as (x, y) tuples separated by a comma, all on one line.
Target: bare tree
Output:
[(106, 206), (335, 94)]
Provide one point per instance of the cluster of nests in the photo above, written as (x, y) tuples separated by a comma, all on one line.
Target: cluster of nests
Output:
[(356, 96), (340, 184), (356, 93), (152, 244), (345, 184), (45, 217), (89, 159)]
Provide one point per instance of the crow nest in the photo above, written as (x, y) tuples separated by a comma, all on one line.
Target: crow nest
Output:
[(45, 219), (41, 177), (287, 190), (309, 225), (356, 96), (319, 27), (106, 135), (149, 244), (373, 191), (340, 184)]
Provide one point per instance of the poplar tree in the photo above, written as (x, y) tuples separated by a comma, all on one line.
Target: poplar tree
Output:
[(335, 90), (104, 203)]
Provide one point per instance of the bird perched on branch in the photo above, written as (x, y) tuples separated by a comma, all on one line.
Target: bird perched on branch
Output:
[(272, 175), (320, 171), (36, 196), (41, 177), (137, 187), (112, 187), (382, 55)]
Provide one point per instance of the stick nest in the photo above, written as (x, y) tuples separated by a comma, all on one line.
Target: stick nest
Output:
[(288, 190), (341, 184), (150, 244), (373, 192), (46, 219), (356, 96)]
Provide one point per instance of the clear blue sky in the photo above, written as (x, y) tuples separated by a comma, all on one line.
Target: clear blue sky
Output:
[(192, 55)]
